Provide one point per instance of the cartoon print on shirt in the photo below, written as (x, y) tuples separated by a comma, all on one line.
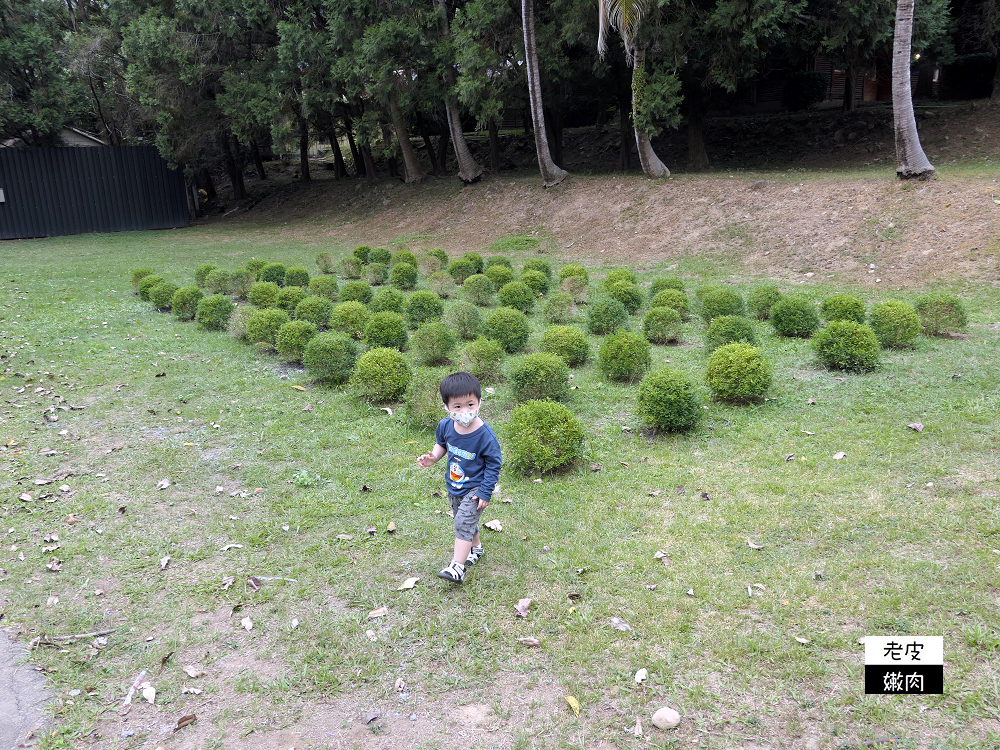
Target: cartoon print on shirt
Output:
[(455, 473)]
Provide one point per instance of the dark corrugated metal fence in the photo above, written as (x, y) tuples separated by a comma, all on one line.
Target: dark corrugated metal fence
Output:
[(57, 191)]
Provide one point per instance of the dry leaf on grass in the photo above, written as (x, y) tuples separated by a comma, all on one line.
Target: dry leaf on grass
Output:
[(803, 641), (387, 410), (377, 613), (148, 692), (623, 463), (409, 583), (641, 676), (191, 690), (537, 481), (231, 546), (163, 484), (193, 672), (227, 582), (689, 592), (839, 455), (916, 426), (185, 721), (521, 608), (807, 432), (307, 407), (651, 586), (654, 493), (529, 642), (371, 529), (494, 525), (164, 562), (254, 583), (400, 686), (660, 554), (391, 527), (24, 497), (619, 624), (705, 496), (295, 622), (596, 467), (789, 456), (298, 387), (637, 729), (573, 704), (247, 624), (751, 545), (345, 537), (573, 596)]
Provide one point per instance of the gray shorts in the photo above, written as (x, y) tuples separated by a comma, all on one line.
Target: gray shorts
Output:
[(466, 514)]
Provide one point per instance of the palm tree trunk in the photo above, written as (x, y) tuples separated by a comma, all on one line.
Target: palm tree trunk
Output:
[(551, 174), (651, 164), (912, 162), (410, 164)]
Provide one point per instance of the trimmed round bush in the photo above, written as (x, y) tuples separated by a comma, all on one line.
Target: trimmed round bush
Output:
[(674, 299), (240, 283), (842, 307), (727, 329), (326, 263), (460, 269), (464, 319), (237, 325), (442, 284), (478, 289), (428, 264), (941, 312), (330, 356), (201, 273), (350, 318), (761, 299), (263, 325), (627, 293), (263, 293), (361, 253), (315, 309), (700, 292), (423, 397), (213, 311), (255, 266), (422, 307), (292, 339), (403, 276), (541, 436), (483, 358), (720, 302), (185, 302), (380, 255), (386, 329), (738, 372), (217, 281), (619, 274), (662, 325), (536, 280), (848, 345), (146, 284), (381, 375), (665, 282), (296, 276), (403, 256), (499, 275), (356, 291), (477, 261), (138, 275), (441, 255), (289, 297), (433, 343), (577, 287), (624, 356), (517, 295), (573, 269), (606, 315), (669, 400), (350, 268), (794, 316), (376, 274), (324, 286), (509, 327), (273, 272), (567, 342), (387, 300), (499, 260), (537, 376), (162, 295), (538, 264), (558, 307), (895, 323)]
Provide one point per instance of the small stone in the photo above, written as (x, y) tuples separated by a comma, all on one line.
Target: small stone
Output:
[(666, 718), (413, 717)]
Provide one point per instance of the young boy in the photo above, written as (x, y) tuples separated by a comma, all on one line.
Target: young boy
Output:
[(473, 468)]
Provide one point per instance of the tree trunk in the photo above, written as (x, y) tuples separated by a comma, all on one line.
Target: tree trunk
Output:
[(257, 161), (410, 164), (303, 150), (551, 174), (494, 146), (697, 155), (359, 162), (911, 159), (366, 158), (205, 179), (995, 96), (428, 144), (339, 168), (235, 175), (651, 164), (469, 170), (849, 93)]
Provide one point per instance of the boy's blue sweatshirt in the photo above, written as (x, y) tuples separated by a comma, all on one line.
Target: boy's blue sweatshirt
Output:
[(472, 460)]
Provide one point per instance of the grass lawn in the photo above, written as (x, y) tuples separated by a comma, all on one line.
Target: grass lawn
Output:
[(267, 474)]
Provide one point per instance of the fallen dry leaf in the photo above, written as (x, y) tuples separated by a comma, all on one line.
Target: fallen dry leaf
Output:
[(254, 583), (227, 582), (811, 401), (164, 562), (409, 583), (371, 529), (623, 463), (705, 496), (148, 692), (298, 387), (231, 546), (377, 613), (789, 456), (641, 676), (637, 729), (751, 545), (163, 484), (655, 493), (651, 586), (193, 672), (186, 721), (537, 481), (391, 527), (680, 490), (387, 410), (689, 592), (803, 641), (494, 525), (24, 497), (307, 407), (660, 554), (345, 537), (400, 686), (807, 432), (916, 426), (596, 467), (839, 455), (573, 703), (619, 624), (521, 608), (191, 690), (529, 642), (573, 596)]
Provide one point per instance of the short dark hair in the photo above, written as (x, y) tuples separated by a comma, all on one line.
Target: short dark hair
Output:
[(460, 384)]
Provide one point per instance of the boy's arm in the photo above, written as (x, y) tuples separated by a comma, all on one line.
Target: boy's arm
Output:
[(493, 461), (431, 458)]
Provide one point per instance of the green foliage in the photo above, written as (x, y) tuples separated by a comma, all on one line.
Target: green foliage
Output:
[(263, 293), (499, 275), (324, 286), (483, 358), (794, 316), (162, 295), (606, 315), (573, 269), (721, 302), (350, 268), (362, 253), (273, 272), (386, 329), (499, 260), (761, 299), (848, 345), (461, 268), (624, 356), (356, 291), (213, 312), (558, 307), (433, 343), (538, 376), (895, 323), (381, 375), (440, 254), (201, 273), (478, 289), (403, 276), (542, 436), (517, 295), (657, 98), (941, 312), (240, 283), (423, 398), (669, 400), (289, 297), (293, 337), (380, 255), (842, 307), (508, 327), (315, 309), (675, 299), (146, 284), (138, 275), (538, 264), (350, 318), (700, 292), (403, 256), (618, 274), (428, 264), (577, 287), (255, 266), (665, 282), (567, 342), (662, 325), (442, 284), (217, 281), (297, 276), (727, 329), (263, 325), (376, 274), (326, 263), (477, 261), (237, 325), (185, 302), (422, 307), (738, 372), (627, 293), (535, 280), (512, 243), (330, 356), (464, 319), (387, 300)]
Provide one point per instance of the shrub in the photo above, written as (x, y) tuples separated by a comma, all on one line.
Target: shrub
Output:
[(577, 287), (538, 264), (433, 343), (624, 356), (478, 289), (606, 315), (509, 327), (273, 272), (738, 372), (201, 273), (461, 268), (315, 309), (326, 263), (386, 329), (376, 274), (442, 284), (662, 325), (535, 280), (476, 260), (138, 275), (380, 255), (847, 345), (761, 299), (499, 275), (146, 283), (423, 398), (895, 323), (628, 294), (162, 295), (674, 299), (422, 307), (619, 274), (538, 376), (350, 268), (403, 276), (356, 291), (292, 339), (263, 293), (217, 281), (381, 375), (573, 269), (566, 342), (185, 302), (330, 357), (941, 312), (240, 283), (237, 325), (665, 282), (428, 264), (517, 295), (296, 276), (263, 325), (721, 302), (558, 307), (255, 266), (499, 260), (289, 297), (794, 316), (350, 318), (727, 329), (704, 289), (387, 300), (482, 358), (403, 256), (669, 400), (324, 286), (842, 307), (361, 254), (541, 436), (213, 312), (464, 319)]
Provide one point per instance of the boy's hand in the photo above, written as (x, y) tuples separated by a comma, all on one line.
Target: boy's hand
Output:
[(425, 460), (482, 503)]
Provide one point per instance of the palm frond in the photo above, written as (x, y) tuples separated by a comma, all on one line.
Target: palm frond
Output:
[(623, 16)]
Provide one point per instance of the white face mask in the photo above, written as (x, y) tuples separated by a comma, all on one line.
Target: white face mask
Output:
[(464, 418)]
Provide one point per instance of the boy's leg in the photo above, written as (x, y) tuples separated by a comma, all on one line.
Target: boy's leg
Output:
[(462, 549), (466, 526)]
